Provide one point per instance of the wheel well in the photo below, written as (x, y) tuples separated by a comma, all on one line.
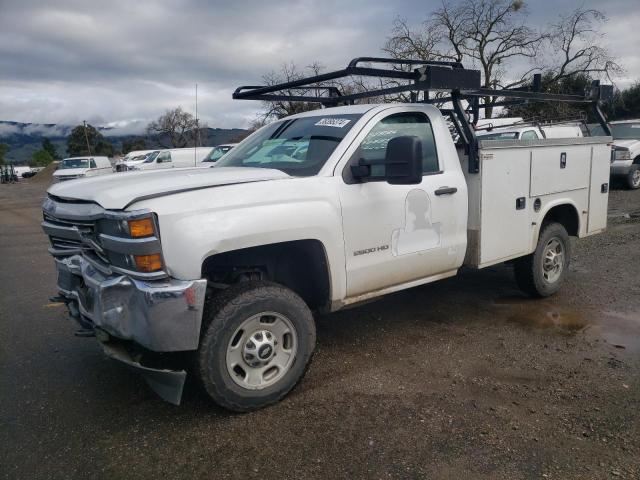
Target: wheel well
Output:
[(567, 216), (636, 161), (300, 265)]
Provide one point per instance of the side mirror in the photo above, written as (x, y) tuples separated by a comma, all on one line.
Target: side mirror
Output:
[(403, 161)]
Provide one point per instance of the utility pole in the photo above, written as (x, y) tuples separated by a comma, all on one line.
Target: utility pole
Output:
[(196, 142), (86, 137)]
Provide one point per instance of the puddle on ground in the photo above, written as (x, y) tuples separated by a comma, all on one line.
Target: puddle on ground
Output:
[(568, 321), (620, 330)]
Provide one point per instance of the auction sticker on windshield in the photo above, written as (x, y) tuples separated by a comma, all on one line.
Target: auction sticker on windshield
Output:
[(332, 122)]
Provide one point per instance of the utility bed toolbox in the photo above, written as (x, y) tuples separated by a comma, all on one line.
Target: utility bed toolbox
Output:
[(518, 183)]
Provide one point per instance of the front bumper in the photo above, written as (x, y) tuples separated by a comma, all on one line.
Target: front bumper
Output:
[(621, 167), (160, 315)]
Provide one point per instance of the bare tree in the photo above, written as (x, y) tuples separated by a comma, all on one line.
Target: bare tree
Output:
[(484, 32), (176, 129), (576, 45), (281, 108)]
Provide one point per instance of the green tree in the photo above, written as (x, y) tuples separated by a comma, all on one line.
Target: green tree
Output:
[(77, 142), (626, 104), (133, 144), (41, 158), (4, 148), (50, 148)]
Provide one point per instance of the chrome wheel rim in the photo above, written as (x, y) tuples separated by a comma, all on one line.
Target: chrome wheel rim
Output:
[(635, 178), (261, 350), (553, 260)]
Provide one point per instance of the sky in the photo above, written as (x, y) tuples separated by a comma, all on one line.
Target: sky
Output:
[(123, 63)]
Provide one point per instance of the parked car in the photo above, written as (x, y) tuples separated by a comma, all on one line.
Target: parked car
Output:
[(32, 172), (173, 158), (133, 158), (531, 132), (217, 152), (81, 167), (625, 158)]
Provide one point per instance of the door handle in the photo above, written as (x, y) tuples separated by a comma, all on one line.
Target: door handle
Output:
[(446, 191)]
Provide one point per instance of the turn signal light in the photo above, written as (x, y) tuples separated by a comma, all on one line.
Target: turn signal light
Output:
[(142, 227), (148, 263)]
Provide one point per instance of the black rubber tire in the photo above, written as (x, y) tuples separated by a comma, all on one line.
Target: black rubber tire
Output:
[(528, 269), (223, 314), (632, 170)]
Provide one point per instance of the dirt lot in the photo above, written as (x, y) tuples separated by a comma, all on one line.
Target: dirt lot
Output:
[(460, 379)]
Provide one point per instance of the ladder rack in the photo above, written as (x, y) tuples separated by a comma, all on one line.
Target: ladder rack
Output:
[(419, 78)]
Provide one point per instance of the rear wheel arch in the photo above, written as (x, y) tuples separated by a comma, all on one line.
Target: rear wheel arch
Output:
[(300, 265), (566, 214)]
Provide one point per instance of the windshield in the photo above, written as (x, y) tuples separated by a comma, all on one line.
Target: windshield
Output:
[(498, 136), (298, 147), (217, 153), (151, 157), (619, 131), (74, 163)]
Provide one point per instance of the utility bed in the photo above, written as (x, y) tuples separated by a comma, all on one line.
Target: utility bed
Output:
[(536, 172)]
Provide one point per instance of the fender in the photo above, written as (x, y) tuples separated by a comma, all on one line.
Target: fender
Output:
[(541, 215)]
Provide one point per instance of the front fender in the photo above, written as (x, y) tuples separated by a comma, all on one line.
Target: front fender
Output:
[(196, 225)]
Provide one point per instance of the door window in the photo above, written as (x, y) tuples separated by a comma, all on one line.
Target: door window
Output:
[(374, 146), (93, 164), (163, 157), (529, 135)]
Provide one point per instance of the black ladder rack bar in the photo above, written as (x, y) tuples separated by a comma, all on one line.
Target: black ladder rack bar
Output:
[(438, 76)]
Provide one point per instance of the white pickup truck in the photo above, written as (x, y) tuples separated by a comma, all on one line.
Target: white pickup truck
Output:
[(220, 269), (625, 159)]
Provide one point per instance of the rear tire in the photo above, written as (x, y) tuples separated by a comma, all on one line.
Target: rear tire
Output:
[(256, 343), (541, 273), (633, 177)]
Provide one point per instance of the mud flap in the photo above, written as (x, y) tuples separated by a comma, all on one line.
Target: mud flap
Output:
[(168, 384)]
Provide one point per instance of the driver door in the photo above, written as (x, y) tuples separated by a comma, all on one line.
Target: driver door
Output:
[(395, 234)]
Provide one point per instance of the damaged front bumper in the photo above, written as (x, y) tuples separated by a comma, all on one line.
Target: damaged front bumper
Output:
[(161, 316)]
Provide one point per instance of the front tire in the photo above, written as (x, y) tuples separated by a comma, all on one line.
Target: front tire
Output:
[(256, 343), (633, 177), (541, 273)]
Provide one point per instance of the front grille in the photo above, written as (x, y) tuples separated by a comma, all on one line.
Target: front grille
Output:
[(121, 167), (69, 237), (77, 227)]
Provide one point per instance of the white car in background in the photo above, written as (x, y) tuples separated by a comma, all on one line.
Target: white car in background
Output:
[(530, 132), (173, 158), (81, 167), (218, 152), (133, 158)]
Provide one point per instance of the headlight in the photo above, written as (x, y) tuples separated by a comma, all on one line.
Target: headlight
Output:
[(132, 242), (142, 227), (148, 263), (622, 155)]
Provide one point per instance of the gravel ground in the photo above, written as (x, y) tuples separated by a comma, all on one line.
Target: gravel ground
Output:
[(464, 378)]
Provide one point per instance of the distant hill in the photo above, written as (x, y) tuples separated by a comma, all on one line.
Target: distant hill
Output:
[(26, 138)]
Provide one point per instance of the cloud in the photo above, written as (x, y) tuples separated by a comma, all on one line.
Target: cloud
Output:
[(127, 62)]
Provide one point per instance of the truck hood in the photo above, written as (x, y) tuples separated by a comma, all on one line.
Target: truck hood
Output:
[(118, 191), (630, 144)]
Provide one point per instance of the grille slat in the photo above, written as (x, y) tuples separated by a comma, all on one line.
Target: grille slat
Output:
[(62, 245)]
